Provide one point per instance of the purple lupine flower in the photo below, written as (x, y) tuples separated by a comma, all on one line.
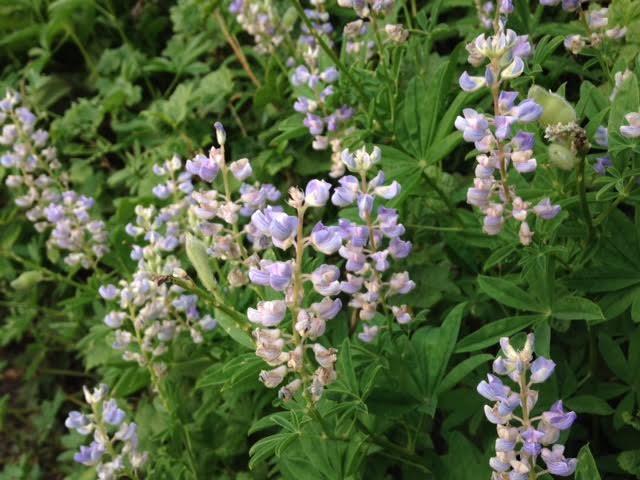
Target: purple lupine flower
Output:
[(401, 314), (353, 283), (527, 111), (602, 136), (317, 193), (355, 257), (330, 75), (470, 83), (327, 308), (558, 418), (326, 280), (327, 240), (304, 105), (314, 123), (388, 221), (532, 438), (546, 210), (90, 455), (401, 283), (473, 126), (541, 369), (504, 123), (268, 313), (556, 463), (111, 413), (493, 390), (108, 292), (282, 229), (278, 275), (300, 76), (369, 333), (114, 319), (389, 191), (204, 167), (162, 191), (633, 129), (79, 422), (241, 169), (399, 248)]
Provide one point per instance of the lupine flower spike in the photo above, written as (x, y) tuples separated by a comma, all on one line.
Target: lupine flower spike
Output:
[(148, 315), (114, 449), (523, 438), (42, 188), (366, 248), (496, 136)]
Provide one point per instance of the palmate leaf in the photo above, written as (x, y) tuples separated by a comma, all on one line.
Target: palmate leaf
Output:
[(507, 293), (587, 469), (269, 447), (576, 308), (489, 334)]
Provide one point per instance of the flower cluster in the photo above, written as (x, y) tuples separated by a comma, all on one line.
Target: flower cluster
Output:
[(260, 20), (370, 245), (314, 87), (494, 136), (114, 439), (151, 313), (372, 15), (596, 22), (366, 261), (43, 190), (522, 439)]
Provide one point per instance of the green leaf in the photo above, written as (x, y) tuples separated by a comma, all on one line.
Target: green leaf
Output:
[(197, 253), (613, 356), (440, 352), (461, 370), (629, 461), (490, 333), (508, 294), (587, 469), (234, 329), (345, 367), (269, 446), (576, 308), (589, 404)]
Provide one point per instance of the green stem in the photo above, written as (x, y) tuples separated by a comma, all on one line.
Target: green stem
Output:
[(53, 275), (622, 196), (584, 205)]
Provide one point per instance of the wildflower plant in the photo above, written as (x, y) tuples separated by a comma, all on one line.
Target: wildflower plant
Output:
[(316, 295), (41, 188), (365, 262), (114, 450), (522, 437)]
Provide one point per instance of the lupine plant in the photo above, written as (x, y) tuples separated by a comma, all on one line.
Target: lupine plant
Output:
[(398, 189)]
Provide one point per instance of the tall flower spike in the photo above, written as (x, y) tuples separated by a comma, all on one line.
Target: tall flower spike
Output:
[(495, 135), (147, 315), (291, 324), (42, 188), (314, 86), (114, 450), (523, 439)]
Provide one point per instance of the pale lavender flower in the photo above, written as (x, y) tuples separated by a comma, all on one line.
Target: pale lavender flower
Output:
[(546, 210), (633, 129)]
